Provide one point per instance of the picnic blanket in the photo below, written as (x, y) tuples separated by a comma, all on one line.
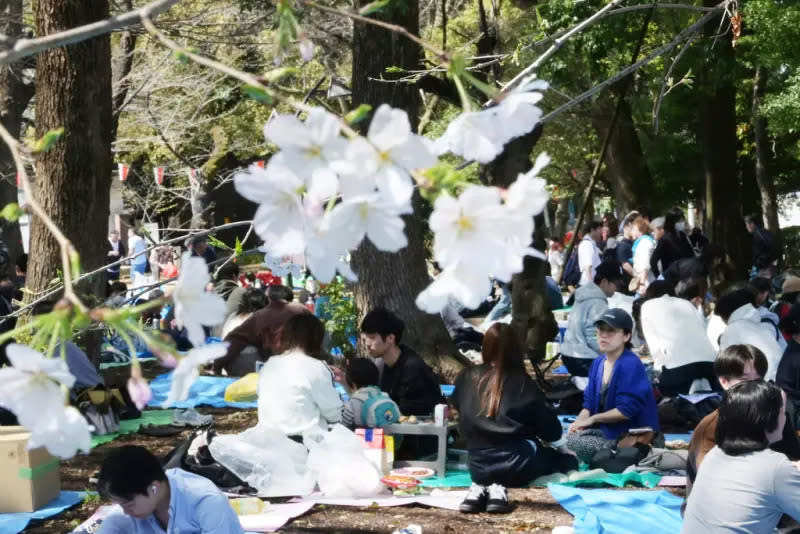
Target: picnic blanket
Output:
[(448, 500), (593, 478), (206, 391), (13, 523), (621, 512), (149, 417)]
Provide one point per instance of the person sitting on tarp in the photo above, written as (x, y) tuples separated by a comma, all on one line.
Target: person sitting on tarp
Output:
[(156, 502), (675, 331), (295, 387), (507, 423), (733, 365), (619, 396), (580, 347), (368, 406), (743, 485)]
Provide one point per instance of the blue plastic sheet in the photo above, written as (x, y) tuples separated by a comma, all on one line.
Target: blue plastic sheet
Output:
[(206, 391), (599, 511), (13, 523)]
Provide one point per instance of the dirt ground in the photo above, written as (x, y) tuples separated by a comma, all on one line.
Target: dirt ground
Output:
[(535, 510)]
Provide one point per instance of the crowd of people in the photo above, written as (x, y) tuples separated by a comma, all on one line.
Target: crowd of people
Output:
[(644, 328)]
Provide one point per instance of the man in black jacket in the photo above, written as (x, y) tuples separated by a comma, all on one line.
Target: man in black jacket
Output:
[(404, 375), (765, 252)]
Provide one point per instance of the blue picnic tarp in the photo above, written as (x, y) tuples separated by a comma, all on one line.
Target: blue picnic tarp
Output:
[(13, 523), (206, 391)]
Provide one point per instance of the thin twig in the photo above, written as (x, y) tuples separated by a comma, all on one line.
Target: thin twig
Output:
[(662, 91), (64, 244), (558, 43), (28, 47)]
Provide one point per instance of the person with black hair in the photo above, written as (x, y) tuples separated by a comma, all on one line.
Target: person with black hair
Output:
[(588, 251), (619, 396), (761, 287), (261, 330), (765, 250), (580, 346), (227, 286), (695, 266), (361, 381), (624, 250), (742, 485), (672, 244), (744, 327), (675, 333), (198, 245), (252, 300), (155, 501), (507, 423), (405, 376), (788, 377), (735, 364)]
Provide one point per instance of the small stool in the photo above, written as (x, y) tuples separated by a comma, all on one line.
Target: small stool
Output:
[(426, 429)]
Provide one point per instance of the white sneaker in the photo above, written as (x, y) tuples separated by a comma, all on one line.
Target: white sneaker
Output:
[(498, 500)]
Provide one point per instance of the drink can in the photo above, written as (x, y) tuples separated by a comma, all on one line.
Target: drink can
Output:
[(440, 413)]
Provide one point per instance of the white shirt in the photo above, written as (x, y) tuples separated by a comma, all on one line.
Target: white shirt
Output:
[(588, 256), (745, 328), (675, 333), (296, 394), (641, 258)]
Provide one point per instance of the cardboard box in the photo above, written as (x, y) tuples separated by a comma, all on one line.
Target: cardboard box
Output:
[(30, 478), (378, 447)]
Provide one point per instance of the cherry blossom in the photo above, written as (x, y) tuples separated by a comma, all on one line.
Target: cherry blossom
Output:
[(371, 216), (186, 371), (194, 306)]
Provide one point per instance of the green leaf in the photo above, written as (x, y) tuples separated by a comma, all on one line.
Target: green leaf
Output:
[(214, 242), (257, 93), (180, 56), (75, 264), (238, 248), (358, 114), (394, 69), (372, 7), (11, 212), (46, 142)]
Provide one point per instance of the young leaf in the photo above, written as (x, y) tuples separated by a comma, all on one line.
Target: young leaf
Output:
[(257, 93), (11, 212), (238, 248), (46, 142), (372, 7), (214, 242), (358, 114)]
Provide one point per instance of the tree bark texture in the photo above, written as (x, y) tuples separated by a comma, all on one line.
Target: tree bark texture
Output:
[(531, 316), (766, 186), (72, 179), (121, 65), (717, 132), (393, 280), (627, 169), (15, 95)]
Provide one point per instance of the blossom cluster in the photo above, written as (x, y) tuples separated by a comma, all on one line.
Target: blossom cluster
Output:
[(321, 194)]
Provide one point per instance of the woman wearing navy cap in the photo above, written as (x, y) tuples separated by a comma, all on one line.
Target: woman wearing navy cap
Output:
[(619, 396)]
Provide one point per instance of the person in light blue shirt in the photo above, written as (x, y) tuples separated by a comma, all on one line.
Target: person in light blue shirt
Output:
[(159, 502)]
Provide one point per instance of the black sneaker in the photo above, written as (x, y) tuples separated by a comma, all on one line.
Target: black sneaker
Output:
[(498, 500), (475, 501)]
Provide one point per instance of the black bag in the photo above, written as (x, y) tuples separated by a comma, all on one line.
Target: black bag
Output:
[(102, 408)]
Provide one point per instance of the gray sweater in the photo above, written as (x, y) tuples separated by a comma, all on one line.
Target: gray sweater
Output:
[(742, 494)]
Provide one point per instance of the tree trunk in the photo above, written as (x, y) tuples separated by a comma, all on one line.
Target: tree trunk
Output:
[(717, 136), (531, 315), (627, 168), (121, 66), (393, 280), (766, 186), (15, 95), (73, 91)]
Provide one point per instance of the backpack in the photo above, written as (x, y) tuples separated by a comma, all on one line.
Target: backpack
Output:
[(377, 410), (572, 272), (102, 408)]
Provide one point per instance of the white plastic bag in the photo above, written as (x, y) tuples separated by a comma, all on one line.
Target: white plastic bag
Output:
[(266, 459), (340, 466)]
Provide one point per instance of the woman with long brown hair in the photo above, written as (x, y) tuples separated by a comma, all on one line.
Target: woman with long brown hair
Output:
[(507, 423)]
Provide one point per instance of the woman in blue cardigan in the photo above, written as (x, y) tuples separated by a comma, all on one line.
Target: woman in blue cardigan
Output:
[(619, 396)]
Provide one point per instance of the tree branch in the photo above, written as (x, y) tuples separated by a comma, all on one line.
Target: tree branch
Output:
[(28, 47)]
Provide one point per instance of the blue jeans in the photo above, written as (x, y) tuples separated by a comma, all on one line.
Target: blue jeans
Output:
[(502, 307)]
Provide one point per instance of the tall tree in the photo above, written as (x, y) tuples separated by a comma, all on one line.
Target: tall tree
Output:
[(393, 280), (717, 136), (766, 185), (73, 91), (15, 94)]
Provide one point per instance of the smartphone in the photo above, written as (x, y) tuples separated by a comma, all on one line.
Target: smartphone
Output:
[(642, 430)]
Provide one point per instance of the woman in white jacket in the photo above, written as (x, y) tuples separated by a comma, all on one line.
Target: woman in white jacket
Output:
[(295, 388), (744, 327)]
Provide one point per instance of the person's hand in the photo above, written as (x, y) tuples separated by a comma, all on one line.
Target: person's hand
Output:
[(580, 424), (338, 374)]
